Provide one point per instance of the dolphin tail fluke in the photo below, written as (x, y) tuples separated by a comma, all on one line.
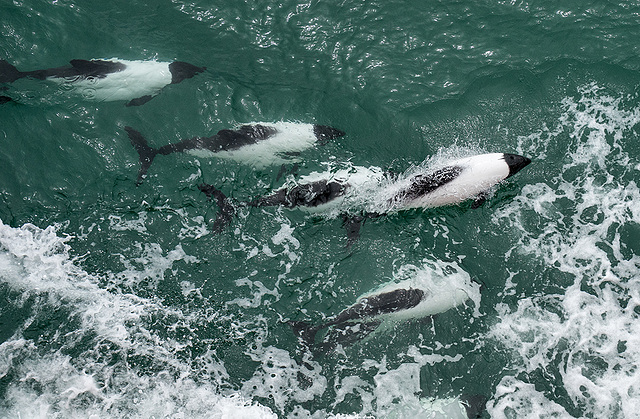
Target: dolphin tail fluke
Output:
[(145, 152), (8, 73), (306, 331), (352, 225), (226, 209)]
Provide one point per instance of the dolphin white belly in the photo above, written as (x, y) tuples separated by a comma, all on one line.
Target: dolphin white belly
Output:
[(139, 78), (289, 137)]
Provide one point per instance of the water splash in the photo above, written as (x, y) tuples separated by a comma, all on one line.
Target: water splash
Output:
[(583, 331)]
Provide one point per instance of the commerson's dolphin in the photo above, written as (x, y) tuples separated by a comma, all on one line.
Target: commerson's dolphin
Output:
[(427, 293), (317, 192), (110, 80), (257, 143), (461, 180), (458, 181)]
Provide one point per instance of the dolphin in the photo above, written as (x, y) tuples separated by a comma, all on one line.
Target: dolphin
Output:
[(427, 293), (454, 183), (110, 80), (260, 143), (467, 178)]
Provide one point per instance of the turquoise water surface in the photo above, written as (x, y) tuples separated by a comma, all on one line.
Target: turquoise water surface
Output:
[(118, 301)]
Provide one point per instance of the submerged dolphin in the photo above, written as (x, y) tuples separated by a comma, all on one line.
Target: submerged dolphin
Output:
[(259, 142), (461, 180), (110, 80), (424, 295)]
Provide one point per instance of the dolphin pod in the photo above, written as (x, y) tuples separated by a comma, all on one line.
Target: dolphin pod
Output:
[(375, 192)]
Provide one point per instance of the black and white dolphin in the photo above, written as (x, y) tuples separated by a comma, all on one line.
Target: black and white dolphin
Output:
[(110, 80), (258, 143), (467, 178), (427, 293), (373, 193), (316, 192)]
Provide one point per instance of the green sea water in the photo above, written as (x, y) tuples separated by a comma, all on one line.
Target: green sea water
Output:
[(118, 301)]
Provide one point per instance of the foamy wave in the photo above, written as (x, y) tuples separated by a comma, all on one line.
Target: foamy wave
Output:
[(104, 359), (583, 330)]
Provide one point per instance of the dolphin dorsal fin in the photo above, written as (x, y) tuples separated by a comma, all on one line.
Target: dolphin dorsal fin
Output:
[(96, 68)]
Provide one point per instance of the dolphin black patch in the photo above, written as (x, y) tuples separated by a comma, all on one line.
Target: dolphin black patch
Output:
[(224, 140), (306, 195), (352, 225), (325, 133), (309, 195), (146, 154), (385, 303), (95, 68), (139, 100), (479, 200), (79, 68), (515, 163), (243, 136), (424, 183)]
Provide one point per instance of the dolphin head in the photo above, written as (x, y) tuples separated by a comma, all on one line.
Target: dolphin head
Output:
[(324, 133), (515, 163), (181, 70)]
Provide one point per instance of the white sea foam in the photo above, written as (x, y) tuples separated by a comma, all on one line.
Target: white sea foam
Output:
[(278, 378), (428, 408), (585, 333), (394, 393), (517, 399), (99, 380), (283, 247)]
